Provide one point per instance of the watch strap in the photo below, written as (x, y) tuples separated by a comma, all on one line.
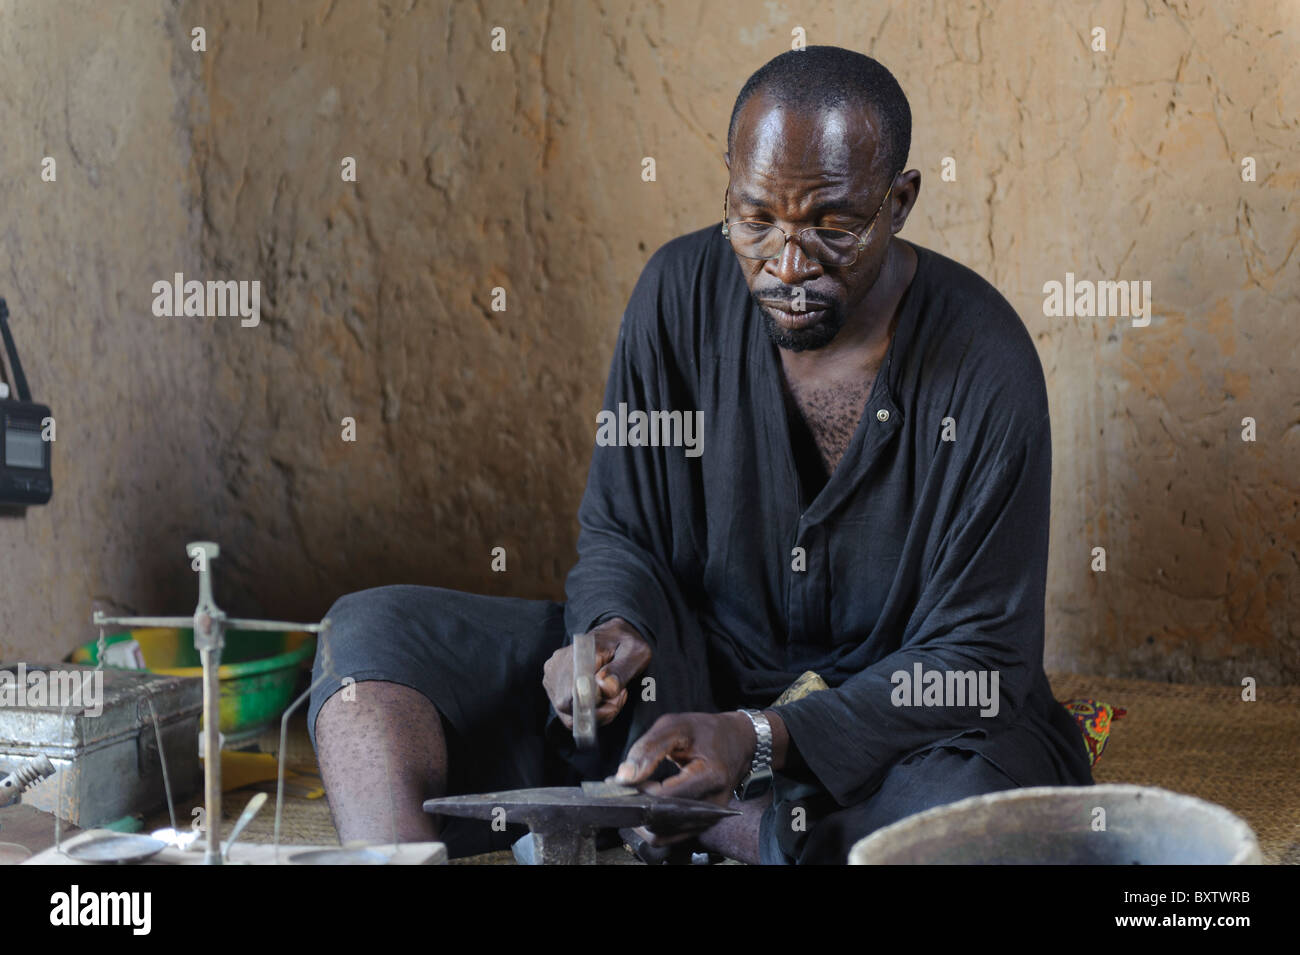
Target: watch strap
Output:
[(760, 767)]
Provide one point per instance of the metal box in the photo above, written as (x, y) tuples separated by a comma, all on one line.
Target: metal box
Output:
[(97, 729)]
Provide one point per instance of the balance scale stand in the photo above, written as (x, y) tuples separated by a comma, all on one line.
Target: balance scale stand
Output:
[(209, 623)]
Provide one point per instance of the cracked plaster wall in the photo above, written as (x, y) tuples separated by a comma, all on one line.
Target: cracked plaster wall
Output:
[(102, 89), (522, 170)]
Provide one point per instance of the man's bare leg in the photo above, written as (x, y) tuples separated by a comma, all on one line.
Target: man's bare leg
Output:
[(736, 837), (381, 755)]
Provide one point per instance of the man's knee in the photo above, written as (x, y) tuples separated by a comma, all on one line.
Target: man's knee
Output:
[(365, 629), (379, 632), (384, 696), (466, 653), (359, 616)]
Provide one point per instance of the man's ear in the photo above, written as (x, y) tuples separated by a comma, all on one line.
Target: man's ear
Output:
[(726, 160), (907, 187)]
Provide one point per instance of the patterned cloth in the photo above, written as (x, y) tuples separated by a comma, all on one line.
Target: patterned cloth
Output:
[(1094, 719), (810, 682)]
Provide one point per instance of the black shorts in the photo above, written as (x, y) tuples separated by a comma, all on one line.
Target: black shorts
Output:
[(479, 661)]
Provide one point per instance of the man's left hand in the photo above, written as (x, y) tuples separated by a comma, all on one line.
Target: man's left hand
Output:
[(713, 750)]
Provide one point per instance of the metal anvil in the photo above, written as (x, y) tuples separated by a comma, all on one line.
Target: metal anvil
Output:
[(564, 819)]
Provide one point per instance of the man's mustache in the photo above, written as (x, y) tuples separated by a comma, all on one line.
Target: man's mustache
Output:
[(783, 296)]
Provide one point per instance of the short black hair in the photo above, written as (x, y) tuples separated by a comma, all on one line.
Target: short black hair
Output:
[(826, 77)]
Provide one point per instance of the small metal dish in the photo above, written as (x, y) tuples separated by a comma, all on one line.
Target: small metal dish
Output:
[(117, 848)]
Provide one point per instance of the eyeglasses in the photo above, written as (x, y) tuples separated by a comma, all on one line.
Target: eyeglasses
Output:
[(755, 239)]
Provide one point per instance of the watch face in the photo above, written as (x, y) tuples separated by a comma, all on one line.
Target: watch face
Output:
[(754, 785)]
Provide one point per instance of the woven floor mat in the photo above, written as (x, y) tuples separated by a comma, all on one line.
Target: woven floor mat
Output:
[(1206, 741), (304, 822)]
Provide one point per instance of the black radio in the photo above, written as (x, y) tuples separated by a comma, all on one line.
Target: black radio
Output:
[(28, 435)]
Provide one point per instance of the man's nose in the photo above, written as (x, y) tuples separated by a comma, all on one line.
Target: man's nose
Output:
[(792, 266)]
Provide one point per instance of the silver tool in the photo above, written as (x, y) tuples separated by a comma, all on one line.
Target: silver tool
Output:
[(254, 805), (31, 772)]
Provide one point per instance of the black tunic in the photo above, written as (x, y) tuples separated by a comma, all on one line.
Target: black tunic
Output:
[(917, 549)]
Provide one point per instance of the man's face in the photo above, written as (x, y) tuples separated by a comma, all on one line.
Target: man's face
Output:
[(800, 170)]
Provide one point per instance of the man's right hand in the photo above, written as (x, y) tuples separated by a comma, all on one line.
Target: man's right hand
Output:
[(622, 655)]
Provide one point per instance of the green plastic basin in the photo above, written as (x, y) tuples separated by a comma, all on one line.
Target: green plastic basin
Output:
[(257, 675)]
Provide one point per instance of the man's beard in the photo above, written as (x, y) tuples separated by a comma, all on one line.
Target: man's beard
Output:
[(817, 335)]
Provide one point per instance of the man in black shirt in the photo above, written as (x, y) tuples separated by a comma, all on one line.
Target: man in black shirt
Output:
[(824, 459)]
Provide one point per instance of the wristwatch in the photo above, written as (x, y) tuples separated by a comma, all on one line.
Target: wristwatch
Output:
[(759, 779)]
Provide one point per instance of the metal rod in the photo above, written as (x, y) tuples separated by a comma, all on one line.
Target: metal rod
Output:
[(282, 766), (211, 660), (240, 623), (180, 622), (237, 623), (162, 759)]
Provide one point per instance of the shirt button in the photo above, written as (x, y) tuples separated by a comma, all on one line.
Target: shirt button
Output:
[(882, 415)]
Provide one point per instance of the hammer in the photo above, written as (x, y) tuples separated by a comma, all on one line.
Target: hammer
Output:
[(584, 690)]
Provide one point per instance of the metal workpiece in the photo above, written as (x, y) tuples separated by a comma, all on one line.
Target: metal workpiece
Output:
[(564, 820)]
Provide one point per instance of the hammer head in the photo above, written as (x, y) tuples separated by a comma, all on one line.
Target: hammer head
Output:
[(585, 693)]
